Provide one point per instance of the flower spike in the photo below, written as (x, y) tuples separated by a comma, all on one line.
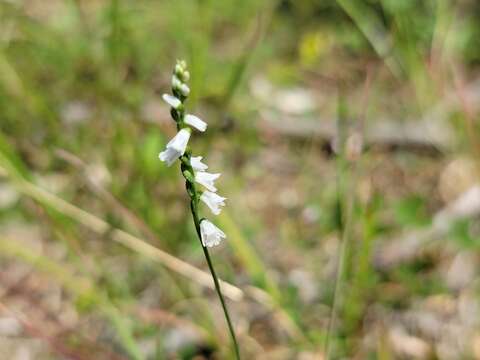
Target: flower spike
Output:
[(193, 171)]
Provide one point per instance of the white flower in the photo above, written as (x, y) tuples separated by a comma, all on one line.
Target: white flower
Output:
[(206, 179), (196, 122), (197, 164), (171, 100), (176, 147), (213, 201), (211, 235)]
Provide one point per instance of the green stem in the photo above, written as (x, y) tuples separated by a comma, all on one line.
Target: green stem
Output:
[(193, 206), (194, 196), (346, 201)]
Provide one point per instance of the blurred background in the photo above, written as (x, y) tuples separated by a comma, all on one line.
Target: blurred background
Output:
[(348, 137)]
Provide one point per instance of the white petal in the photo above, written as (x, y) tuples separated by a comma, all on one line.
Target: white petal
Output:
[(197, 164), (175, 147), (169, 156), (180, 141), (171, 100), (206, 179), (196, 122), (210, 234), (213, 201)]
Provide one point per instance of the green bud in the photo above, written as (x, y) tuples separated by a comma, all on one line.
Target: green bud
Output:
[(176, 82), (178, 69), (190, 191), (188, 175)]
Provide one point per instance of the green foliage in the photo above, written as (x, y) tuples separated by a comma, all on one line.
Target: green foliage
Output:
[(411, 211), (463, 233)]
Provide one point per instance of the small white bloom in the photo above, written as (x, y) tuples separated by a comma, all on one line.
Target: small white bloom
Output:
[(176, 147), (196, 122), (211, 235), (171, 100), (197, 164), (206, 179), (184, 89), (213, 201)]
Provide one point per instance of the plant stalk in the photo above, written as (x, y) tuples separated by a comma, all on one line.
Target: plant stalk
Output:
[(193, 206), (194, 199)]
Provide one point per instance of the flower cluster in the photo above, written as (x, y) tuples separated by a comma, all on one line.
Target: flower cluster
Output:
[(193, 169)]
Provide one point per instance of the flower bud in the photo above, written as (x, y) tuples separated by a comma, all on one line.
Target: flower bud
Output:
[(188, 175)]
